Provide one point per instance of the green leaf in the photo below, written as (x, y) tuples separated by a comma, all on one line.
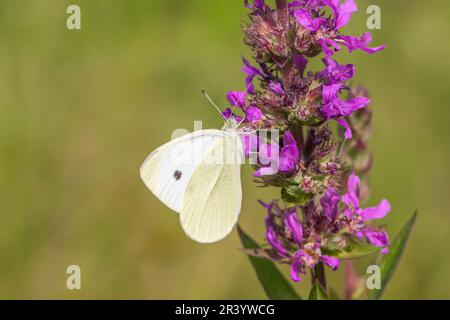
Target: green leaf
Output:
[(355, 249), (317, 292), (333, 295), (274, 283), (388, 263), (293, 194)]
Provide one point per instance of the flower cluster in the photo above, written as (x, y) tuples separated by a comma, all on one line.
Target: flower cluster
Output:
[(319, 215)]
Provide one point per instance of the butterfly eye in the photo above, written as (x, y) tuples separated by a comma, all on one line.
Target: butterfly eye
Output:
[(177, 175)]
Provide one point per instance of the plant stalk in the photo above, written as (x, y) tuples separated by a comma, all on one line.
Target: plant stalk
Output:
[(319, 275)]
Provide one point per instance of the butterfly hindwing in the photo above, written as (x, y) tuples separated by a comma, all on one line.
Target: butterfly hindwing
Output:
[(213, 198)]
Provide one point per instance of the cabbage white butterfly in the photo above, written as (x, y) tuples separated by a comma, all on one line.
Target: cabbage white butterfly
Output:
[(198, 175)]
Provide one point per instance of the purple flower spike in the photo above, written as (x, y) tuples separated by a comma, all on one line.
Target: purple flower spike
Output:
[(294, 226), (237, 98)]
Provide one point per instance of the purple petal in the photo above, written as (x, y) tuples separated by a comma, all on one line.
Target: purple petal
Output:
[(227, 113), (253, 114), (290, 153), (346, 108), (378, 212), (333, 263), (351, 198), (348, 131), (337, 73), (276, 87), (325, 43), (275, 243), (377, 238), (237, 98), (330, 203), (304, 18), (296, 269), (361, 43), (345, 11), (300, 63), (294, 226)]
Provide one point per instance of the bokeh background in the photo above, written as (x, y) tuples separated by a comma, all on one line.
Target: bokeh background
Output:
[(80, 110)]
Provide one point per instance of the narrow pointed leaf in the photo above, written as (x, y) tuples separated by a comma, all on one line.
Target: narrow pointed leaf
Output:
[(388, 263), (333, 295), (274, 283), (317, 292), (355, 249)]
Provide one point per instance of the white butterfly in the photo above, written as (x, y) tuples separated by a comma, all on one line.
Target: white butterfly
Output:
[(199, 176)]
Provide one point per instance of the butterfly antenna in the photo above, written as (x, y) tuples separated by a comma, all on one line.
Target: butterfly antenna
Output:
[(212, 102)]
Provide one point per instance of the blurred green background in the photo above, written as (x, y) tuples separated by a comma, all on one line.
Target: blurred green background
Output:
[(80, 110)]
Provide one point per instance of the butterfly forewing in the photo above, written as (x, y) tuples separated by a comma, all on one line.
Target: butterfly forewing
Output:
[(168, 170)]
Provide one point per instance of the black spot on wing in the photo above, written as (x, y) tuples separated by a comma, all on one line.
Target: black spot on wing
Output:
[(177, 175)]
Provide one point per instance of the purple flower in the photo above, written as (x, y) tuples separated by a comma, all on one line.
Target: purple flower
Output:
[(330, 203), (276, 87), (333, 263), (326, 30), (257, 5), (294, 226), (286, 159), (253, 114), (251, 73), (300, 62), (334, 106), (325, 43), (289, 154), (228, 114), (336, 73), (297, 267), (348, 131), (275, 243), (237, 98), (355, 213), (361, 43), (351, 200), (342, 12), (285, 235), (304, 18)]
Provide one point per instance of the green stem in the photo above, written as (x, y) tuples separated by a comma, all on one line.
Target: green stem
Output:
[(319, 275)]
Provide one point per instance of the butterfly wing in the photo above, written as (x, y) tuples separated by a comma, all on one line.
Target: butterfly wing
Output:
[(168, 170), (213, 197)]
